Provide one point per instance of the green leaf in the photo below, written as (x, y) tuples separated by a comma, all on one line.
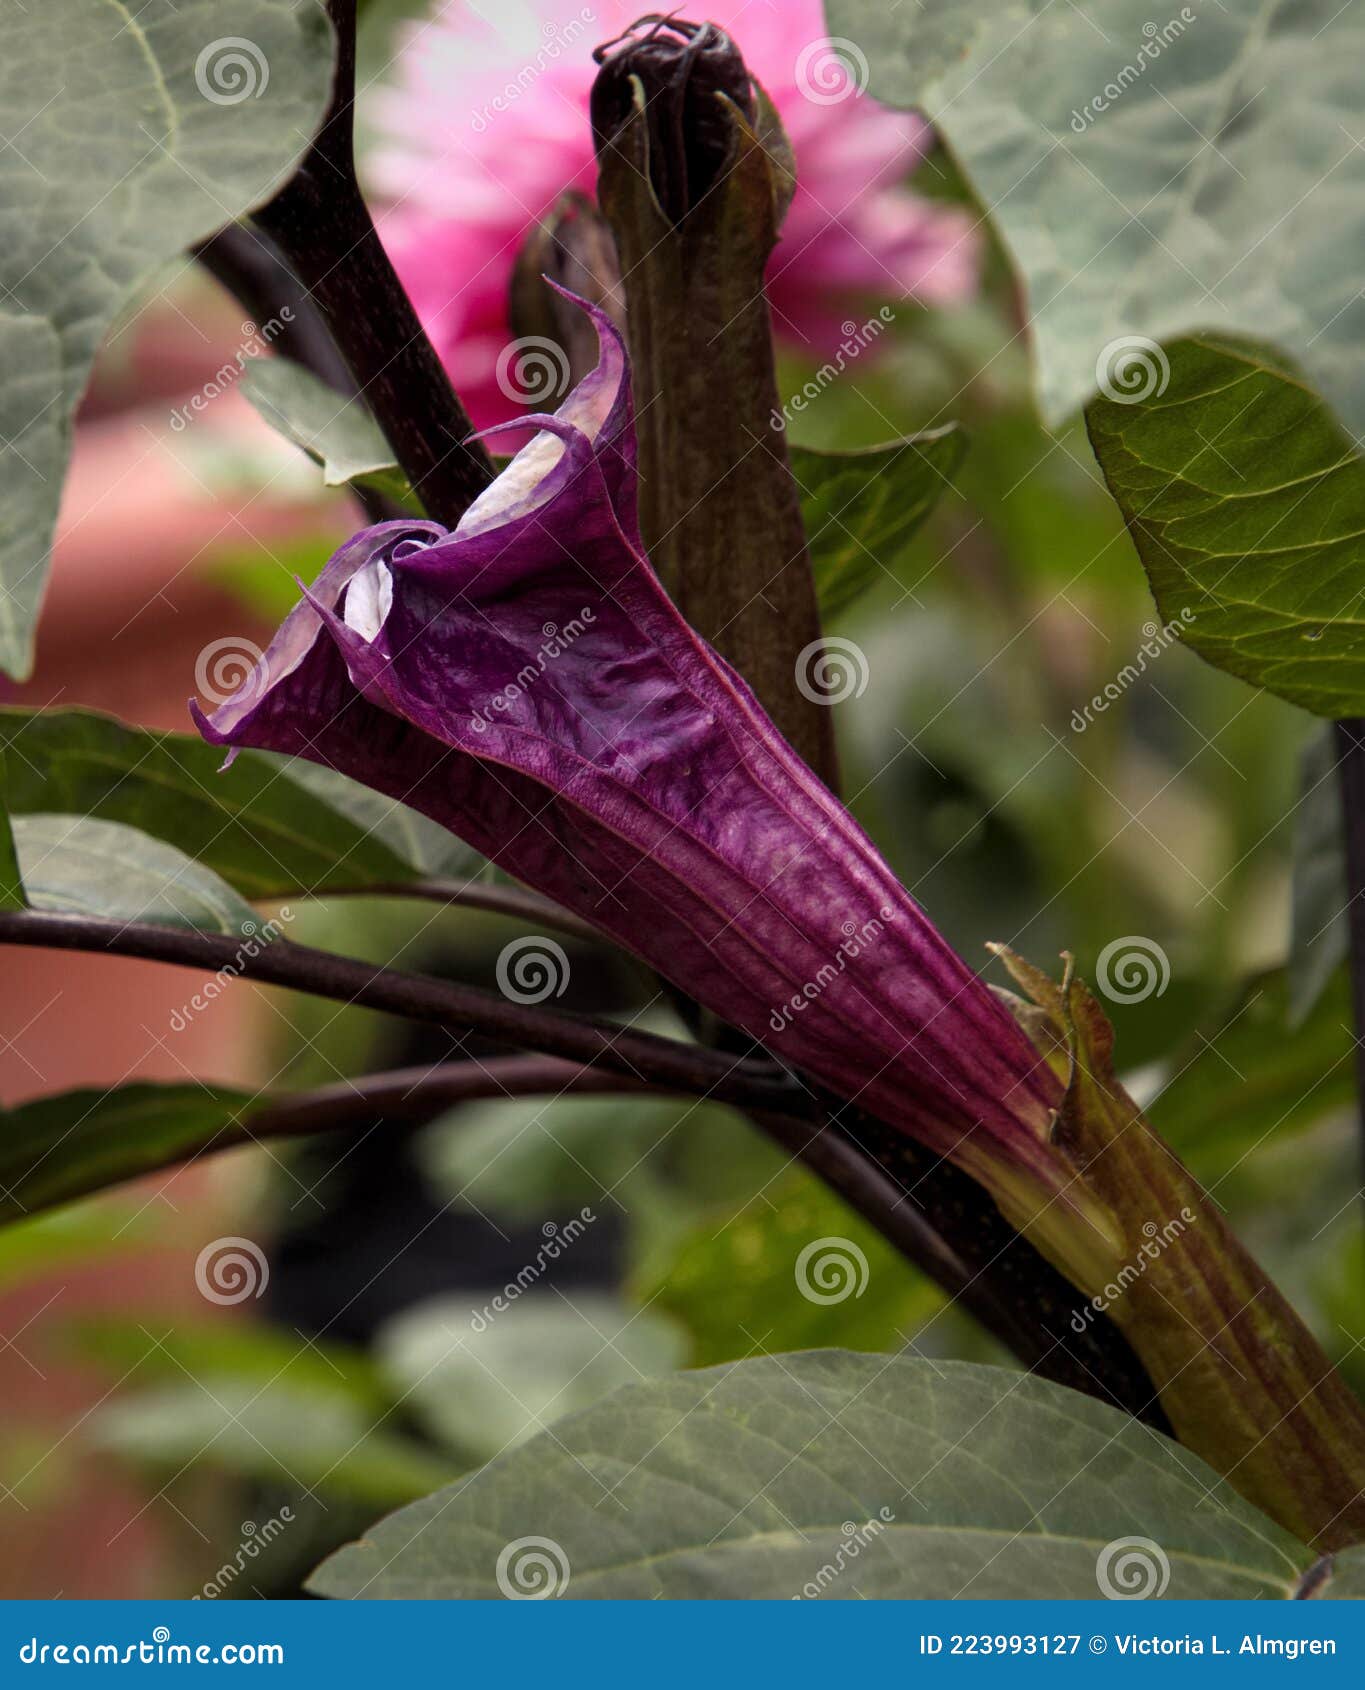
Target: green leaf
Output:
[(757, 1480), (132, 135), (1344, 1579), (734, 1281), (1320, 936), (1151, 179), (269, 826), (336, 432), (1242, 1080), (78, 865), (71, 1143), (482, 1378), (1247, 506), (861, 507)]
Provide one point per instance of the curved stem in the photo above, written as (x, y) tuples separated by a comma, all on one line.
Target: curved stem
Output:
[(643, 1057)]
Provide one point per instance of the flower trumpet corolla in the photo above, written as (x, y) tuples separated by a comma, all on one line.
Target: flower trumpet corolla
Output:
[(525, 681)]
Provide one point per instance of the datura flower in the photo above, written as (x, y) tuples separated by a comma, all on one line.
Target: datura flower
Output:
[(525, 681)]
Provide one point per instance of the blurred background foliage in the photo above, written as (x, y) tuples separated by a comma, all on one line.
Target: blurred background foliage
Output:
[(358, 1381)]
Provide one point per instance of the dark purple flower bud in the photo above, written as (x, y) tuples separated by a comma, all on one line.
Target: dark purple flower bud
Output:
[(674, 69), (526, 681)]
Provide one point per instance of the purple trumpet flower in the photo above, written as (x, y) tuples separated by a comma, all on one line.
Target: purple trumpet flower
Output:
[(525, 681)]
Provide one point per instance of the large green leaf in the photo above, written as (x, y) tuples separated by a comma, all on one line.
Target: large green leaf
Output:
[(269, 826), (482, 1376), (1150, 178), (131, 133), (1247, 506), (71, 1143), (830, 1473), (336, 432), (79, 865), (861, 507)]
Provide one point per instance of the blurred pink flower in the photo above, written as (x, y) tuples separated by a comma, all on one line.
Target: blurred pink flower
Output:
[(486, 124)]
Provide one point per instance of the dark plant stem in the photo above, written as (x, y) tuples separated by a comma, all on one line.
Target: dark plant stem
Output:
[(643, 1057), (321, 225), (1350, 749)]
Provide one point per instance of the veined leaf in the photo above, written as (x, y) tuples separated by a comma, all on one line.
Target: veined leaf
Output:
[(336, 432), (270, 827), (1151, 174), (758, 1479), (861, 507), (1247, 506), (143, 130), (79, 865)]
